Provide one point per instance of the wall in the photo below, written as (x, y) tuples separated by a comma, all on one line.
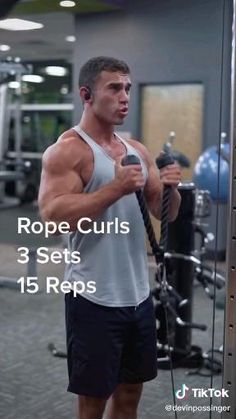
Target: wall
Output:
[(164, 41)]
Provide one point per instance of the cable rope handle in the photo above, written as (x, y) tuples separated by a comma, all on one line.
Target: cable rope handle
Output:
[(158, 251), (161, 162), (130, 160)]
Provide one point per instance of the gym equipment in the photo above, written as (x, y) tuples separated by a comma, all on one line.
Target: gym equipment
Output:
[(206, 275), (202, 206), (206, 170), (180, 260), (55, 352), (211, 173), (8, 282), (180, 158), (202, 203), (9, 70), (229, 375), (4, 133), (4, 119), (44, 123), (181, 257)]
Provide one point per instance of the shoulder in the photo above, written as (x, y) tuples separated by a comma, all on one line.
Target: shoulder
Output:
[(65, 152), (143, 151)]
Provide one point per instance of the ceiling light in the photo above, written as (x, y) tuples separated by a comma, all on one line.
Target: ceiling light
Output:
[(32, 78), (67, 3), (14, 85), (19, 25), (4, 48), (70, 38), (54, 70)]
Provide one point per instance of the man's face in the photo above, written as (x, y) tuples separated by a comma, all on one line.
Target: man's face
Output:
[(110, 97)]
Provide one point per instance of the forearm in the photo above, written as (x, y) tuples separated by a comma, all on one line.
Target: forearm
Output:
[(72, 207)]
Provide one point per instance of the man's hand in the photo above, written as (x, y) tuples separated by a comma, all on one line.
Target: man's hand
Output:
[(171, 174), (128, 178)]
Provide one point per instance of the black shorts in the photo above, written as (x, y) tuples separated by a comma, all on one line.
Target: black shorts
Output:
[(109, 345)]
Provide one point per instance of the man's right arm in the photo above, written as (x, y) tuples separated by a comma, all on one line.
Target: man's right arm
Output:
[(61, 196)]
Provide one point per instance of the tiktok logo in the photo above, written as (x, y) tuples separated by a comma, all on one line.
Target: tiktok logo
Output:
[(181, 393)]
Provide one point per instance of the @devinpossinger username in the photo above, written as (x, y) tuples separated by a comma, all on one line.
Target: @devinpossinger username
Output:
[(195, 408)]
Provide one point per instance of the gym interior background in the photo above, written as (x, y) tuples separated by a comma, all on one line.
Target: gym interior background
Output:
[(179, 52)]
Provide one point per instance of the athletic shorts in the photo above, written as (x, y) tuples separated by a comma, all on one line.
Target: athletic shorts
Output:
[(109, 345)]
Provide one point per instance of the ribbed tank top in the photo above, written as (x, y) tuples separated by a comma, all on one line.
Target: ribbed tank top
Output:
[(116, 262)]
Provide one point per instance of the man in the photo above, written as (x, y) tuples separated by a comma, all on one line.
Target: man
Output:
[(111, 334)]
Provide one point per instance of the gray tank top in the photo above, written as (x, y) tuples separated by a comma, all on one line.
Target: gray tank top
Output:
[(116, 262)]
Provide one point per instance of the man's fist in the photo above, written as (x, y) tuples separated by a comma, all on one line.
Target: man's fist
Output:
[(171, 174), (129, 178)]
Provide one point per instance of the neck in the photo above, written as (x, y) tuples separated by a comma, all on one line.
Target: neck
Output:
[(97, 129)]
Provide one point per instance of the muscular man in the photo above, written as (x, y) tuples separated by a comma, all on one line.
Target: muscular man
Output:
[(111, 334)]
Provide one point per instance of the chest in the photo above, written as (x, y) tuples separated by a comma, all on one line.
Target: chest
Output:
[(114, 151), (100, 162)]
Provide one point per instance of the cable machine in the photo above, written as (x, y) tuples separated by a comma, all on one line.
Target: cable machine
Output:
[(229, 375)]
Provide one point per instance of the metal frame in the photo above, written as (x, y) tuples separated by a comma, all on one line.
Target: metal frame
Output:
[(229, 375), (16, 70), (49, 107)]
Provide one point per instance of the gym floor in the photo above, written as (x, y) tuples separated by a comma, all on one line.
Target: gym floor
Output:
[(33, 383)]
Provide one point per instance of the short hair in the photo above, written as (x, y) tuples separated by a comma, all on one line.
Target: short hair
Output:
[(91, 70)]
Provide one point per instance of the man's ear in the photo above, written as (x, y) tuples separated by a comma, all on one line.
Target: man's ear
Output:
[(85, 93)]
